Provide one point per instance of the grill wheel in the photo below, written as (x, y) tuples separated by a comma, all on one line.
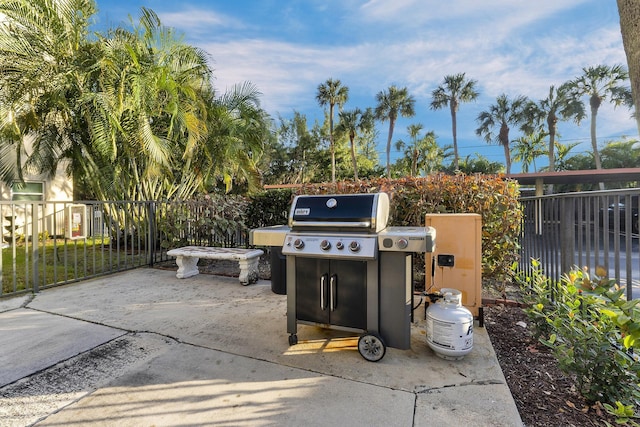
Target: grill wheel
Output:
[(371, 347)]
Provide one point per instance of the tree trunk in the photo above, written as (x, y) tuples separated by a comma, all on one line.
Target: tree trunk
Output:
[(353, 156), (552, 125), (331, 146), (392, 122), (595, 104), (504, 141), (414, 161), (629, 11), (454, 131), (594, 142)]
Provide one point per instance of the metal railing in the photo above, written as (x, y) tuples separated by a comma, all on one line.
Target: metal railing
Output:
[(51, 243), (46, 244), (586, 229)]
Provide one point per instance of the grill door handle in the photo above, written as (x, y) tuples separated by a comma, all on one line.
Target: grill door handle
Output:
[(334, 290), (323, 292)]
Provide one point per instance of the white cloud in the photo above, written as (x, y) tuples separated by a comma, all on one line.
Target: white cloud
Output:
[(197, 20), (286, 73), (507, 46)]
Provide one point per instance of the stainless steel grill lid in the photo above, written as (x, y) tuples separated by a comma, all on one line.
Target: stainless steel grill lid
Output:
[(353, 212)]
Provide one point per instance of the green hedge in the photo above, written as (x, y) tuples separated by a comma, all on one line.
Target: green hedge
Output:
[(491, 196)]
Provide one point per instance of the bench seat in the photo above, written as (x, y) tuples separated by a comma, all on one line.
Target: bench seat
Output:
[(187, 260)]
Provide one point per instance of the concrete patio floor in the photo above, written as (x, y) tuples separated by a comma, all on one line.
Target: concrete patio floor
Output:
[(145, 348)]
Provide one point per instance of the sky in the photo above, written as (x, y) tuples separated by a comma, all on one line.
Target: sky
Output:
[(288, 47)]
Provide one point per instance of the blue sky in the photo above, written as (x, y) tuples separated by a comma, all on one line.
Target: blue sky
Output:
[(288, 47)]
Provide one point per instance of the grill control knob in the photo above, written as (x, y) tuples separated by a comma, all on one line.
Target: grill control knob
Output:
[(339, 245), (354, 246), (298, 244), (325, 245), (402, 243)]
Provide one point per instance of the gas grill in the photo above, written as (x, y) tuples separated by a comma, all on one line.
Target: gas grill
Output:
[(345, 269)]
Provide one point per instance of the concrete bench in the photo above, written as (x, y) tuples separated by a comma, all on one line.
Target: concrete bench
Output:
[(188, 256)]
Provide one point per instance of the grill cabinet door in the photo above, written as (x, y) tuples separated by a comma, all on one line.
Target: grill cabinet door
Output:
[(331, 292)]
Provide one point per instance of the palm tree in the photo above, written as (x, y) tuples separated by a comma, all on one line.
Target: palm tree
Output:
[(132, 111), (390, 103), (500, 115), (147, 114), (423, 154), (528, 148), (352, 122), (44, 65), (600, 83), (558, 105), (413, 150), (563, 156), (332, 93), (452, 92), (236, 138), (629, 10)]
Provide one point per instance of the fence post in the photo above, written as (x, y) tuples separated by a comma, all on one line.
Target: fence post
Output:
[(151, 245), (35, 245), (567, 234)]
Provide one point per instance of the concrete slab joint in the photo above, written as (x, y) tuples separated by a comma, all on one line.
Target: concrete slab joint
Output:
[(187, 260)]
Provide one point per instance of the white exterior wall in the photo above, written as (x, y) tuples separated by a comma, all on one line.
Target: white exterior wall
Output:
[(57, 189)]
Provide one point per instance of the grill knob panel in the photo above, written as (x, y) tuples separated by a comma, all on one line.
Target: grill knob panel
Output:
[(298, 244), (354, 246), (325, 245), (402, 243)]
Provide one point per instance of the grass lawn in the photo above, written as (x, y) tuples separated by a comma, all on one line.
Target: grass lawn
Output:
[(62, 260)]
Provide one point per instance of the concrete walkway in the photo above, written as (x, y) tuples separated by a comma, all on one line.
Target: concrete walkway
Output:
[(144, 348)]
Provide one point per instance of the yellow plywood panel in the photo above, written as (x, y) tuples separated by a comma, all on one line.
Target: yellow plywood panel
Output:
[(457, 260)]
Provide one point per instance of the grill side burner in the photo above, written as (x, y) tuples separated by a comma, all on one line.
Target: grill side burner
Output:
[(345, 269)]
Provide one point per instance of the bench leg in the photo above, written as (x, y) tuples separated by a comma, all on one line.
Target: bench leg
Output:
[(248, 270), (187, 266)]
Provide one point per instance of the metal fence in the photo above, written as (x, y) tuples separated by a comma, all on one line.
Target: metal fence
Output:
[(46, 244), (51, 243), (586, 229)]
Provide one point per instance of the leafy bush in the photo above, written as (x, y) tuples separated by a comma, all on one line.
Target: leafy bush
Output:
[(211, 220), (268, 208), (537, 296), (592, 331), (491, 196)]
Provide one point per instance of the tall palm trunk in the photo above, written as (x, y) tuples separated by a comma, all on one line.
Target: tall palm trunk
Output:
[(595, 102), (629, 11), (392, 122), (332, 147), (454, 131), (504, 141), (414, 162), (552, 124), (352, 138)]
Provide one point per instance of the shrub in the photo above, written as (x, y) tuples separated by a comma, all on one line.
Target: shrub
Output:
[(268, 208), (592, 331), (212, 220), (491, 196)]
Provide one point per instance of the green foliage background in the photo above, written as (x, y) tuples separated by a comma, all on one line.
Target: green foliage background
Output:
[(492, 196)]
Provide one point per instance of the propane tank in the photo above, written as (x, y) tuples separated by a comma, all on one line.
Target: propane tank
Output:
[(449, 326)]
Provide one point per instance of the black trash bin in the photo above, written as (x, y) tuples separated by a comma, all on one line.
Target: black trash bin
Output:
[(278, 271)]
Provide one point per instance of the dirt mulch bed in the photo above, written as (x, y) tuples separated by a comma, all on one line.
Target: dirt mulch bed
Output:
[(544, 395)]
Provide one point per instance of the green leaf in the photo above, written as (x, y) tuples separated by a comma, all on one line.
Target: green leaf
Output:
[(630, 304), (628, 341), (622, 319)]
